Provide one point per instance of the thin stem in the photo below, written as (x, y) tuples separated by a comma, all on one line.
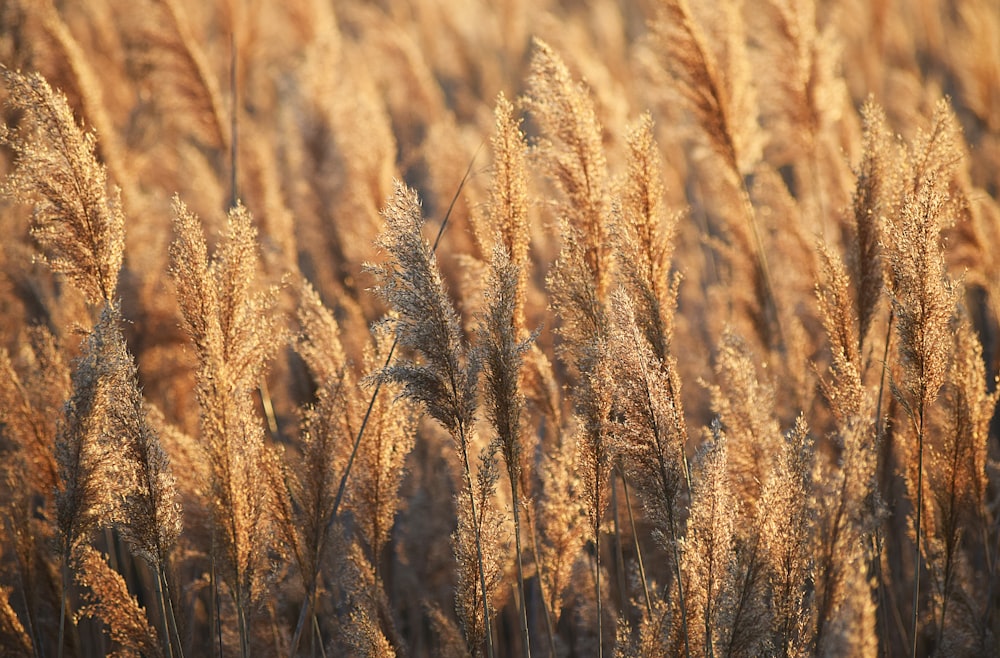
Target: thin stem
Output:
[(920, 506), (619, 555), (680, 582), (638, 550), (883, 608), (23, 577), (879, 436), (520, 570), (215, 616), (597, 564), (268, 405), (597, 585), (771, 300), (234, 117), (341, 488), (540, 566), (170, 610), (63, 603), (167, 641), (817, 186), (241, 623), (879, 426), (988, 607), (319, 636), (475, 528)]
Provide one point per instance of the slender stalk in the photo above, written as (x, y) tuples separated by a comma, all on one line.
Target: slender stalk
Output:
[(988, 607), (883, 606), (949, 563), (540, 565), (304, 615), (167, 638), (520, 570), (319, 637), (241, 623), (475, 528), (63, 602), (879, 435), (817, 188), (617, 542), (638, 550), (879, 427), (680, 585), (268, 406), (597, 577), (920, 507), (234, 117), (170, 611), (21, 572), (215, 616), (771, 302), (341, 488), (275, 633)]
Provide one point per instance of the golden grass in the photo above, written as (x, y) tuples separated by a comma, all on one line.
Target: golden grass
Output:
[(707, 328)]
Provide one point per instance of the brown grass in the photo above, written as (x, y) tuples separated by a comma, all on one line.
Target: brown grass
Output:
[(701, 298)]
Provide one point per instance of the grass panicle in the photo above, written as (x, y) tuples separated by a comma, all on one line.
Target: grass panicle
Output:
[(702, 362)]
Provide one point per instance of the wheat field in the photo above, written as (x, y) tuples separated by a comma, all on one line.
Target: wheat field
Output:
[(557, 328)]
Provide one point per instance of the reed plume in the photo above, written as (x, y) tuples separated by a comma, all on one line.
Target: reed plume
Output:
[(34, 384), (444, 385), (876, 197), (714, 81), (707, 552), (15, 639), (167, 49), (508, 201), (744, 406), (110, 601), (843, 597), (763, 225), (150, 515), (956, 490), (389, 438), (845, 393), (788, 508), (78, 224), (501, 354), (652, 437), (648, 231), (234, 331), (574, 160), (87, 496), (923, 300), (581, 279)]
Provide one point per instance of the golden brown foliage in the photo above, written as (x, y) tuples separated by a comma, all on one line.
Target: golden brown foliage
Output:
[(709, 328)]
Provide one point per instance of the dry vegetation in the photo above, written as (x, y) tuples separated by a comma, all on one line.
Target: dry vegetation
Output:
[(662, 328)]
